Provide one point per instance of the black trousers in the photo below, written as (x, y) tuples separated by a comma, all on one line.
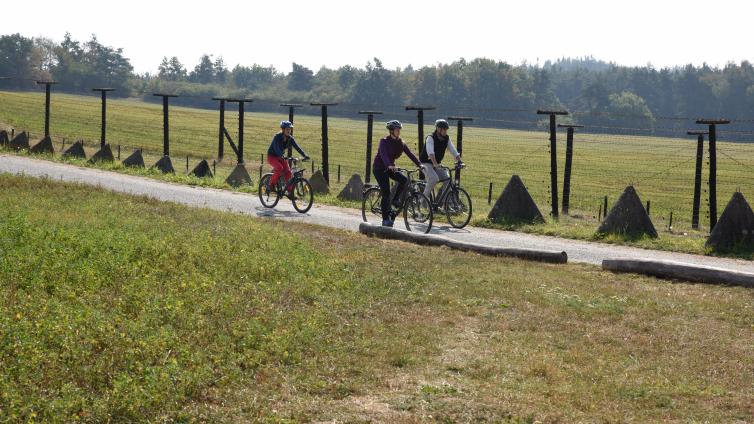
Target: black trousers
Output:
[(383, 177)]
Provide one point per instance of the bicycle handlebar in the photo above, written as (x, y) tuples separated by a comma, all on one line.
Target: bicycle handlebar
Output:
[(459, 165)]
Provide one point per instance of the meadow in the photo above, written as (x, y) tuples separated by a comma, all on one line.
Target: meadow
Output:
[(661, 168), (118, 308)]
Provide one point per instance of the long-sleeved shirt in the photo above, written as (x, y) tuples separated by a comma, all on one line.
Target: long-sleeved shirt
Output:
[(279, 144), (430, 146), (389, 150)]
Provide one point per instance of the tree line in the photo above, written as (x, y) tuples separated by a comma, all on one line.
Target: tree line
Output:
[(599, 92)]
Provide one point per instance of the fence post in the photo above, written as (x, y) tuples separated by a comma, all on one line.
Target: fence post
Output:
[(47, 85), (459, 138), (553, 158), (221, 132), (489, 195), (697, 176), (325, 141), (712, 123), (119, 152), (291, 107), (420, 122), (103, 127), (338, 173), (370, 124), (648, 205), (239, 150), (568, 164), (604, 213), (165, 123)]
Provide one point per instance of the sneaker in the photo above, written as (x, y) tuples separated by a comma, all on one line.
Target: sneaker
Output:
[(387, 223)]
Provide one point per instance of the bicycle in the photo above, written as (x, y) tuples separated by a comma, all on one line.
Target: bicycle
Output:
[(302, 195), (452, 199), (417, 212)]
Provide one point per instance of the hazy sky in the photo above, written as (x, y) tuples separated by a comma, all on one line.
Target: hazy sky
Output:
[(334, 33)]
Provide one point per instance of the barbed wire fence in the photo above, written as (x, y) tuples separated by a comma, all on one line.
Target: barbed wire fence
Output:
[(659, 160)]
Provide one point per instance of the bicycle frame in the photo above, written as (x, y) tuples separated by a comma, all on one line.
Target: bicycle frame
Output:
[(446, 188)]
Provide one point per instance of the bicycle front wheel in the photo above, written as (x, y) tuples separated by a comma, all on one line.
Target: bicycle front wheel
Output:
[(303, 195), (267, 194), (417, 213), (371, 210), (458, 207)]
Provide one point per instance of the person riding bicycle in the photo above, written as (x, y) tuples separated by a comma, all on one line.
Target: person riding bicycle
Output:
[(433, 152), (276, 155), (390, 148)]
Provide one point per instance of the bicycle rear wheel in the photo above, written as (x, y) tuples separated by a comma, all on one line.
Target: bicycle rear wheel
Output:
[(303, 195), (267, 195), (458, 207), (417, 213), (371, 210)]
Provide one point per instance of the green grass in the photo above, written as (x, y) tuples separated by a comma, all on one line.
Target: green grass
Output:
[(660, 168), (124, 309)]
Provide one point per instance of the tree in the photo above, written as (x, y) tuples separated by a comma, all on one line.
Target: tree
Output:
[(221, 71), (204, 72), (629, 109), (300, 78), (16, 58), (253, 77), (91, 64), (171, 70)]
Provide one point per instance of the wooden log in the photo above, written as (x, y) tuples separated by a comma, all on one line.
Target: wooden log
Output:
[(680, 271), (435, 240)]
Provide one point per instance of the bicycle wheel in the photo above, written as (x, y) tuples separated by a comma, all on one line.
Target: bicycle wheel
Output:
[(458, 207), (417, 213), (371, 210), (303, 195), (268, 196)]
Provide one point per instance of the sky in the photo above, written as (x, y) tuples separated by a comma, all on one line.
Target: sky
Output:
[(334, 33)]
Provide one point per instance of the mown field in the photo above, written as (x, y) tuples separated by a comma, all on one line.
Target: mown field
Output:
[(662, 169), (124, 309)]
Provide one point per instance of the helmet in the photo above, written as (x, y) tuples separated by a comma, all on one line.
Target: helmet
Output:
[(441, 123), (391, 125), (286, 124)]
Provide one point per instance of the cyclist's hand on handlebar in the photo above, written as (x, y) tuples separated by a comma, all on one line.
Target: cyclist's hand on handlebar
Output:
[(392, 168)]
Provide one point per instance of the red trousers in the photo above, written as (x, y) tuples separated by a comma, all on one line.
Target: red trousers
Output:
[(279, 168)]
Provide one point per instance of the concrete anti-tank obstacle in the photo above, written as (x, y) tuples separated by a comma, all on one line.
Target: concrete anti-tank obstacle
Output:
[(353, 189), (735, 228), (628, 217), (515, 205)]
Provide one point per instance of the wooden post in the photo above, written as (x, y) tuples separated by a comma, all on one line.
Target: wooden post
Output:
[(553, 158)]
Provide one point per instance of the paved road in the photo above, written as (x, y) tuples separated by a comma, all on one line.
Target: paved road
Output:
[(348, 219)]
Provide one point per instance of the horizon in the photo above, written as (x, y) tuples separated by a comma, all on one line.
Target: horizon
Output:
[(588, 28)]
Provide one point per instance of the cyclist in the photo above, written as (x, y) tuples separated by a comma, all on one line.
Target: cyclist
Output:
[(432, 154), (390, 148), (276, 154)]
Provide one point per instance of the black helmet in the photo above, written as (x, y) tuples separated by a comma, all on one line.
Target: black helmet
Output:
[(391, 125), (441, 123), (286, 124)]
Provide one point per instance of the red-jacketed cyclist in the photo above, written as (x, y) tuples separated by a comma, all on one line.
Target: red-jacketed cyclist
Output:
[(276, 155)]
